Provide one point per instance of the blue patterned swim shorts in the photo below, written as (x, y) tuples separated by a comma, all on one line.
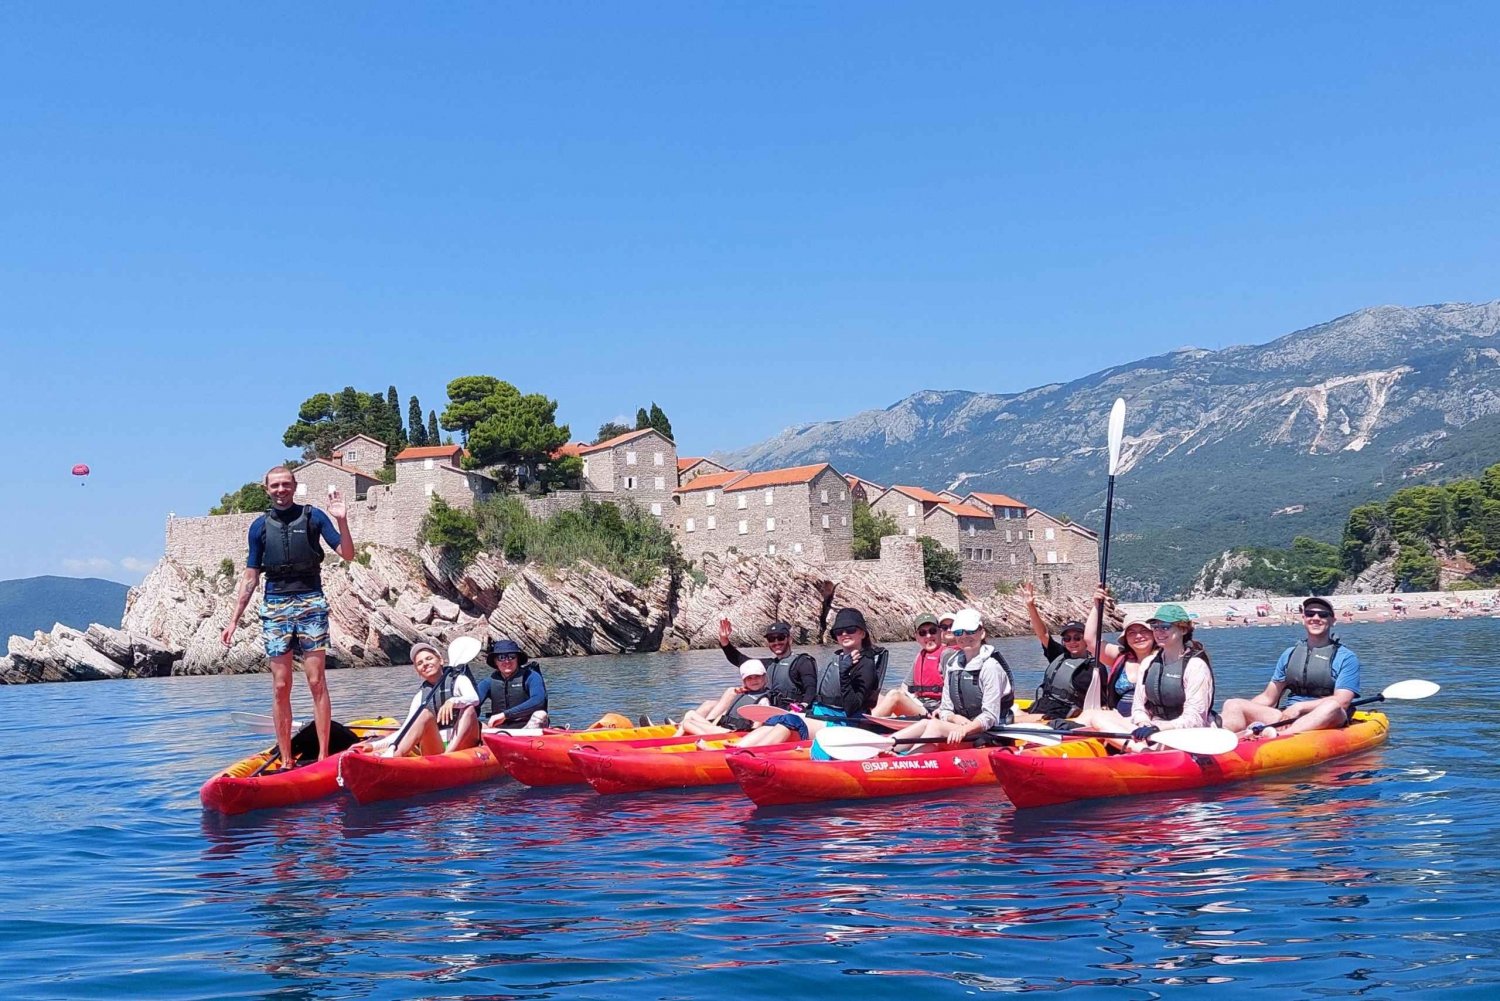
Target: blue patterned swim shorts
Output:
[(296, 622)]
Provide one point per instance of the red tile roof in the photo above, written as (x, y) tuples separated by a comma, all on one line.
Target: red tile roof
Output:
[(571, 448), (428, 452), (779, 477), (710, 481), (921, 494), (964, 510), (618, 439), (998, 500), (686, 463), (855, 481)]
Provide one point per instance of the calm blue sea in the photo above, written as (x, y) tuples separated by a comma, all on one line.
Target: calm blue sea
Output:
[(1377, 875)]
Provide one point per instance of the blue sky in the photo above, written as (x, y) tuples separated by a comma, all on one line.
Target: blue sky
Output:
[(755, 214)]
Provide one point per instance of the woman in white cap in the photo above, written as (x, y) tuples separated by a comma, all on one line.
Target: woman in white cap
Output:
[(442, 716), (977, 689), (722, 716)]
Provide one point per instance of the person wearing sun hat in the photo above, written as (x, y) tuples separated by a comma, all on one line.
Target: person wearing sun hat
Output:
[(515, 691), (1318, 675), (1126, 660), (1176, 691)]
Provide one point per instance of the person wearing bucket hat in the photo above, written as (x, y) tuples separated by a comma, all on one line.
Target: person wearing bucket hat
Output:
[(922, 691), (978, 693), (790, 675), (515, 692), (442, 714), (1125, 662), (847, 686), (722, 715), (1071, 668), (1318, 675)]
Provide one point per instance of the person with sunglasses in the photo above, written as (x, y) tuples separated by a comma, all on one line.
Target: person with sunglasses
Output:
[(1176, 691), (845, 689), (515, 689), (1318, 674), (791, 678), (977, 690), (1071, 669), (922, 691)]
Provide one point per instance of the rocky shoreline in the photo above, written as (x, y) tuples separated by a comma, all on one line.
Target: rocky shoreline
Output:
[(382, 604)]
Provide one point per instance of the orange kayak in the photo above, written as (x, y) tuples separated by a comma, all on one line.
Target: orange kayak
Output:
[(792, 776), (643, 765), (372, 778), (544, 761), (1081, 769), (243, 786)]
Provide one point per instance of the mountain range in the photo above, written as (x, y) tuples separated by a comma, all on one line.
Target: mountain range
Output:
[(1248, 445), (33, 603)]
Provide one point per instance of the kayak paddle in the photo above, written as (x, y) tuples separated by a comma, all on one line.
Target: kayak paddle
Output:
[(1405, 691), (1116, 440)]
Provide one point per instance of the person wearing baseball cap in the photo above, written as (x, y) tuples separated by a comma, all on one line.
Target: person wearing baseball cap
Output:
[(791, 677), (1071, 669), (1318, 675), (922, 691), (515, 691), (722, 715), (442, 714), (977, 690)]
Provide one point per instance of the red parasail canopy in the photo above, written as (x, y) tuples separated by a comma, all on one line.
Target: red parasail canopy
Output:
[(80, 470)]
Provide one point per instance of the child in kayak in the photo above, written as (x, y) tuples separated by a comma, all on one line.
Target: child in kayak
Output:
[(442, 715), (847, 686), (722, 715), (977, 690)]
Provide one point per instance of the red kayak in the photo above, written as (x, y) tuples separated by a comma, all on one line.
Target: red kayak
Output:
[(544, 761), (372, 778), (1082, 769), (243, 786), (792, 776), (643, 765)]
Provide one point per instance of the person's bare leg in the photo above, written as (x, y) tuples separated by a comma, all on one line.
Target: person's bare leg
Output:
[(465, 731), (313, 664), (281, 704)]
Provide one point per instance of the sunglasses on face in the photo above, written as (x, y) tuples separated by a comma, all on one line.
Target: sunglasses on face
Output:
[(1317, 614), (965, 632), (777, 638), (846, 631), (927, 631), (1072, 637)]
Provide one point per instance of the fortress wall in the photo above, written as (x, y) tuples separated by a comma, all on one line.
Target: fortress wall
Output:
[(204, 542)]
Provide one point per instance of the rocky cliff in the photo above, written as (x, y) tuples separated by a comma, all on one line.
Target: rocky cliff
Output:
[(174, 618)]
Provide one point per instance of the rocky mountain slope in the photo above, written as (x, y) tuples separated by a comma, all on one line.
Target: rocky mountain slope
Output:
[(34, 603), (1247, 445), (174, 618)]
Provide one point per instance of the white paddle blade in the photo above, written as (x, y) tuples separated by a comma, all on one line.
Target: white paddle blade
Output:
[(1116, 434), (463, 650), (1044, 736), (848, 743), (1198, 740), (1414, 688), (260, 722), (759, 714)]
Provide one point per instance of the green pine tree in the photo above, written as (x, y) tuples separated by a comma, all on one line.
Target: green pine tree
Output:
[(417, 432), (433, 437), (642, 419), (658, 420)]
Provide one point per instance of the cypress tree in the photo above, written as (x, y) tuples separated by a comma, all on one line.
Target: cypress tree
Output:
[(642, 421), (393, 404), (416, 433), (433, 438), (658, 420)]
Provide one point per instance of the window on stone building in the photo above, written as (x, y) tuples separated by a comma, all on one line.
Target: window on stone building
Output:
[(1050, 535), (771, 549), (824, 496), (1007, 535), (911, 531), (629, 458), (967, 554), (1047, 584), (770, 496), (843, 496), (744, 502), (843, 519), (630, 483), (657, 458), (989, 556), (585, 468), (713, 523), (351, 455), (1012, 559), (689, 526), (911, 510), (825, 521), (301, 490), (656, 509), (709, 499), (796, 547), (430, 488), (427, 464), (744, 527), (770, 524), (1031, 534), (660, 483), (1052, 556), (971, 531)]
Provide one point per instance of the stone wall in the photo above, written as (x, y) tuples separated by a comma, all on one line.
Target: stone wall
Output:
[(900, 564), (908, 511), (204, 542)]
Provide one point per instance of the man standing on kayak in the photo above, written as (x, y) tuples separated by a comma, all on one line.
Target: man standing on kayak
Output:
[(1319, 673), (283, 545)]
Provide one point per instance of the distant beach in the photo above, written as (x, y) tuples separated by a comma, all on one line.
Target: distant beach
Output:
[(1283, 609)]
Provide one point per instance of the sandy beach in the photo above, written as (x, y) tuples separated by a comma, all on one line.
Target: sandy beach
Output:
[(1281, 610)]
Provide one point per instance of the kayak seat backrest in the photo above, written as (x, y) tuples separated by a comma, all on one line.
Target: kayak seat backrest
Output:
[(305, 740)]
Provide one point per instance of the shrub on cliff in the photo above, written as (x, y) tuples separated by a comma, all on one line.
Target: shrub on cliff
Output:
[(627, 542), (940, 566), (451, 529)]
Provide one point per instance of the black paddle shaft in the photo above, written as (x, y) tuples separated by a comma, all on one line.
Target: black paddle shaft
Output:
[(1109, 510)]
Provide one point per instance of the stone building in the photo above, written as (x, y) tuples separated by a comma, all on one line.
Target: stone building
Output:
[(694, 466), (320, 477), (972, 532), (1067, 556), (640, 467), (908, 505), (863, 490), (803, 511), (361, 452)]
